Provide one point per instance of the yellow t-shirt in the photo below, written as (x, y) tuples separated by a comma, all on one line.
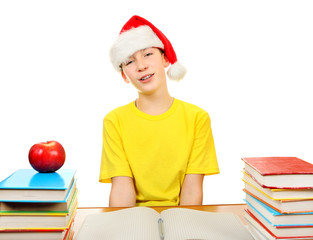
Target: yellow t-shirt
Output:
[(157, 151)]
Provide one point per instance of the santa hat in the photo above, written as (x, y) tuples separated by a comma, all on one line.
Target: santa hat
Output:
[(138, 34)]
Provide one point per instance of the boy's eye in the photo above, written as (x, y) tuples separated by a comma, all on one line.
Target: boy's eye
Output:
[(148, 54), (129, 62)]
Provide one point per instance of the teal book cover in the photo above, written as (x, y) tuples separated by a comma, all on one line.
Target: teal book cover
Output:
[(275, 213), (31, 179), (28, 185)]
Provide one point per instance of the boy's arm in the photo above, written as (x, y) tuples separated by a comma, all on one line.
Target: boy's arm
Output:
[(192, 191), (123, 193)]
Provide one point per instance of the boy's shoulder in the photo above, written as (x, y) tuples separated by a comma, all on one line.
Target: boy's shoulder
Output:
[(190, 107), (119, 111), (194, 113)]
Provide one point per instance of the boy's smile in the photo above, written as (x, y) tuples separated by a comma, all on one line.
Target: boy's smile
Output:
[(146, 78)]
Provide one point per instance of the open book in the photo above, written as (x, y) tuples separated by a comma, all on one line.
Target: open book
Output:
[(143, 223)]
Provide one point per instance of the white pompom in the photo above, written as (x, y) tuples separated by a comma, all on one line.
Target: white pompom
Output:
[(176, 72)]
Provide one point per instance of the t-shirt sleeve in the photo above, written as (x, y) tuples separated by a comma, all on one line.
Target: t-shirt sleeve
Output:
[(113, 161), (203, 156)]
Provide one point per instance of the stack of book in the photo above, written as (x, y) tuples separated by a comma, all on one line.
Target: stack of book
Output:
[(279, 197), (38, 206)]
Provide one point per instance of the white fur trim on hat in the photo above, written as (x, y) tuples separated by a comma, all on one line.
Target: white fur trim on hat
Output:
[(176, 72), (131, 41)]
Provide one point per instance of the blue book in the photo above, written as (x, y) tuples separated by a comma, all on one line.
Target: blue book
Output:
[(28, 185), (276, 218)]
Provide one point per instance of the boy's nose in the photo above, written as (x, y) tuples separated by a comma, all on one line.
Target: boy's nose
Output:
[(141, 65)]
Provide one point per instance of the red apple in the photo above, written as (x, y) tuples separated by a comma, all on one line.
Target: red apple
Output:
[(47, 156)]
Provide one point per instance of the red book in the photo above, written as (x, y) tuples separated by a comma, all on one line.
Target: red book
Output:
[(280, 172), (42, 234), (271, 232)]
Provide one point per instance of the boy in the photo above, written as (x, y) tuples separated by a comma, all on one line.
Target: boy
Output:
[(157, 149)]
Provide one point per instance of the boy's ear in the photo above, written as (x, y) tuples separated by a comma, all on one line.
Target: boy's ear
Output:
[(166, 61), (124, 77)]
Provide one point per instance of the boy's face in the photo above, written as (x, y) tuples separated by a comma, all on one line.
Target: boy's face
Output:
[(145, 69)]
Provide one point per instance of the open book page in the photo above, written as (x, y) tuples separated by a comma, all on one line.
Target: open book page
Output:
[(137, 223), (256, 234), (180, 223)]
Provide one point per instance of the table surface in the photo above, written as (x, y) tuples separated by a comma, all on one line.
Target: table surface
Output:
[(237, 209)]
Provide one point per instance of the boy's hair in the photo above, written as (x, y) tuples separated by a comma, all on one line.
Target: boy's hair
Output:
[(138, 34)]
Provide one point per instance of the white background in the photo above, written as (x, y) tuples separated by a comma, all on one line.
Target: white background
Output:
[(249, 65)]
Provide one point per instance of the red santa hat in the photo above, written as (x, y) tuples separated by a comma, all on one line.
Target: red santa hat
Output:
[(138, 34)]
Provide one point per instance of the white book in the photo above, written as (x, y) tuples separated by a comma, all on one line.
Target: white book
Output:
[(277, 218), (143, 223), (283, 206), (260, 233), (279, 194), (282, 232)]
